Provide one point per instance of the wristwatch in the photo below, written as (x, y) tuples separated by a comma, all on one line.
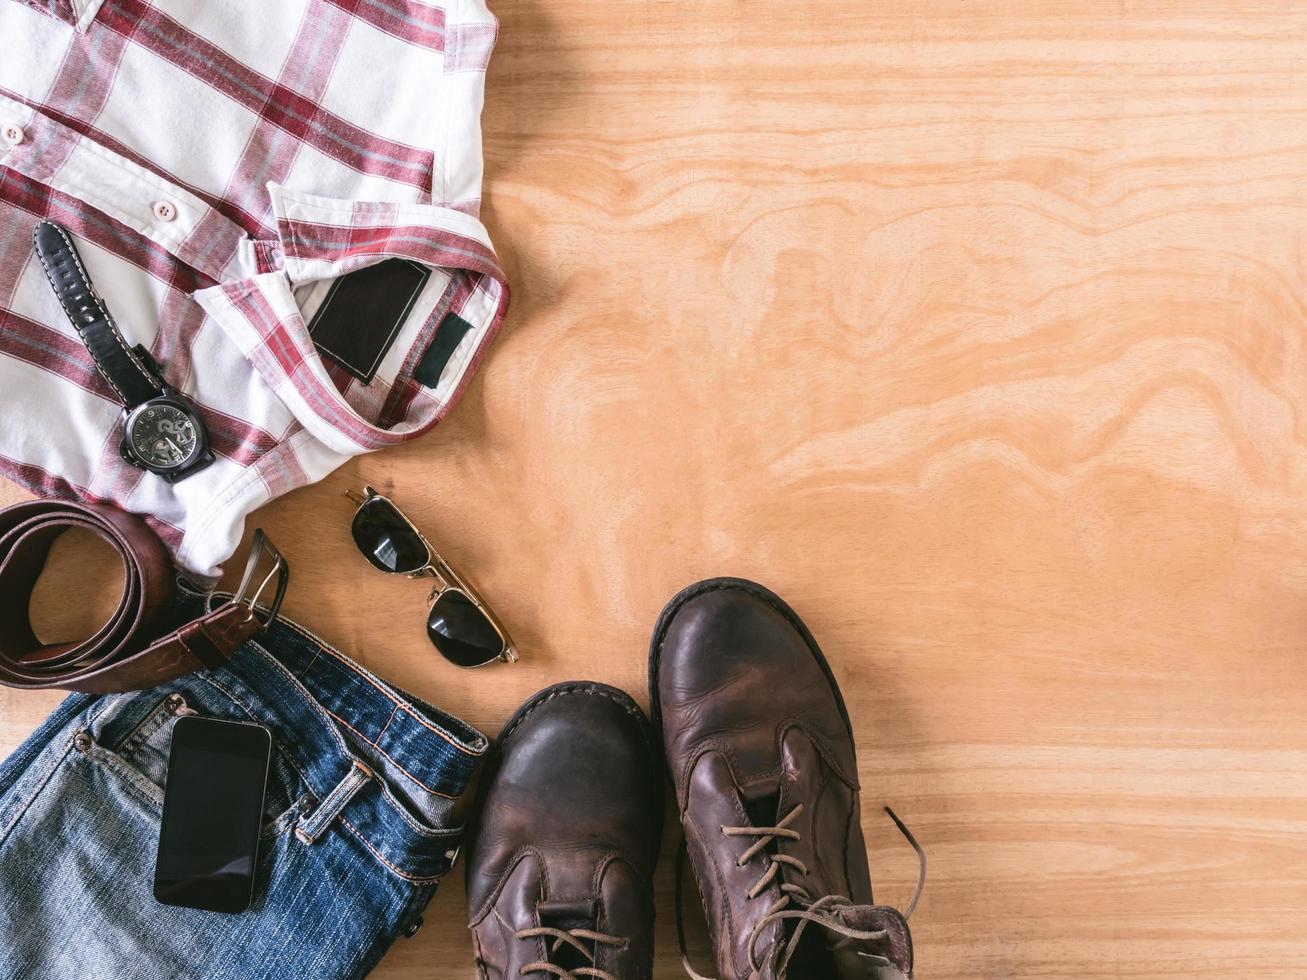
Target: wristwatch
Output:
[(162, 431)]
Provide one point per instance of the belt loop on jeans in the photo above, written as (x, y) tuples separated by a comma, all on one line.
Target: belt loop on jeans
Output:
[(315, 824)]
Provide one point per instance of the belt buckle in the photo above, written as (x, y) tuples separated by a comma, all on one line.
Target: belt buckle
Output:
[(263, 552)]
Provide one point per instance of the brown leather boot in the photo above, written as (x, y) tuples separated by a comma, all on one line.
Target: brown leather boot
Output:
[(560, 863), (761, 753)]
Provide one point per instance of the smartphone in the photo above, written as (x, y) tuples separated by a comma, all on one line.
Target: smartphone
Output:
[(363, 312), (212, 814)]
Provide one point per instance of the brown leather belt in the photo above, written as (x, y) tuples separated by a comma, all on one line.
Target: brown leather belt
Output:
[(127, 653)]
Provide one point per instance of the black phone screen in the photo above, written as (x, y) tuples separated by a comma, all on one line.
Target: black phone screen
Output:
[(364, 310), (212, 814)]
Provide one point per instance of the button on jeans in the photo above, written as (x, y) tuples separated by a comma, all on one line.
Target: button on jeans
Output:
[(361, 822)]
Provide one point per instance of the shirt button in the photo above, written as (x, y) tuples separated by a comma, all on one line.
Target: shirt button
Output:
[(12, 134), (165, 210)]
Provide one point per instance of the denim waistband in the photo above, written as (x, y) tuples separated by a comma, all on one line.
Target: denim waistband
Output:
[(389, 768)]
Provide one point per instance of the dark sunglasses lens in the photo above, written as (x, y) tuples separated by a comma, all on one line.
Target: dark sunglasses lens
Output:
[(461, 631), (386, 539)]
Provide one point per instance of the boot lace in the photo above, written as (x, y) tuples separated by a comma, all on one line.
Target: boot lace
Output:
[(576, 938), (794, 903)]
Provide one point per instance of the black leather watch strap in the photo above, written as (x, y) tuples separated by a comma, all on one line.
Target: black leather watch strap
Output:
[(127, 373)]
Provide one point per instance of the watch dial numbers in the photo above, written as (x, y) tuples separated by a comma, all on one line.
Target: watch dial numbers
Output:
[(163, 436)]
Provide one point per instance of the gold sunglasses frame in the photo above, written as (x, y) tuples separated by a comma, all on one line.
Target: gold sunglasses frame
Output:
[(446, 578)]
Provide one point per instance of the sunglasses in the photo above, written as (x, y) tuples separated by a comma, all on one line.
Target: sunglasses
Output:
[(460, 626)]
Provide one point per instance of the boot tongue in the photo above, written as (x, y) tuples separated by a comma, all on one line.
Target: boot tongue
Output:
[(568, 916), (762, 803), (865, 959)]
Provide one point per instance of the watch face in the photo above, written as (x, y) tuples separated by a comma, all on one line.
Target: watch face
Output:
[(163, 436)]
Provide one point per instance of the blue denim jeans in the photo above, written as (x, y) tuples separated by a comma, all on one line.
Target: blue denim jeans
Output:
[(363, 815)]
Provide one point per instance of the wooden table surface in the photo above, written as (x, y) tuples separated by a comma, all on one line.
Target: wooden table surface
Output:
[(976, 330)]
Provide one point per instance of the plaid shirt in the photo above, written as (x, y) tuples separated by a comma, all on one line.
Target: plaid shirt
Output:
[(219, 165)]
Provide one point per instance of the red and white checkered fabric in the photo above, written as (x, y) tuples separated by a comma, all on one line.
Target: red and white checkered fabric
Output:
[(296, 140)]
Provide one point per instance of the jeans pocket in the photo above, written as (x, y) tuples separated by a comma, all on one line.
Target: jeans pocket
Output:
[(131, 739), (134, 745), (138, 738), (130, 736), (146, 789)]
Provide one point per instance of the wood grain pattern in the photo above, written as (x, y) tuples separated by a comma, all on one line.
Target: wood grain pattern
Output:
[(976, 330)]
